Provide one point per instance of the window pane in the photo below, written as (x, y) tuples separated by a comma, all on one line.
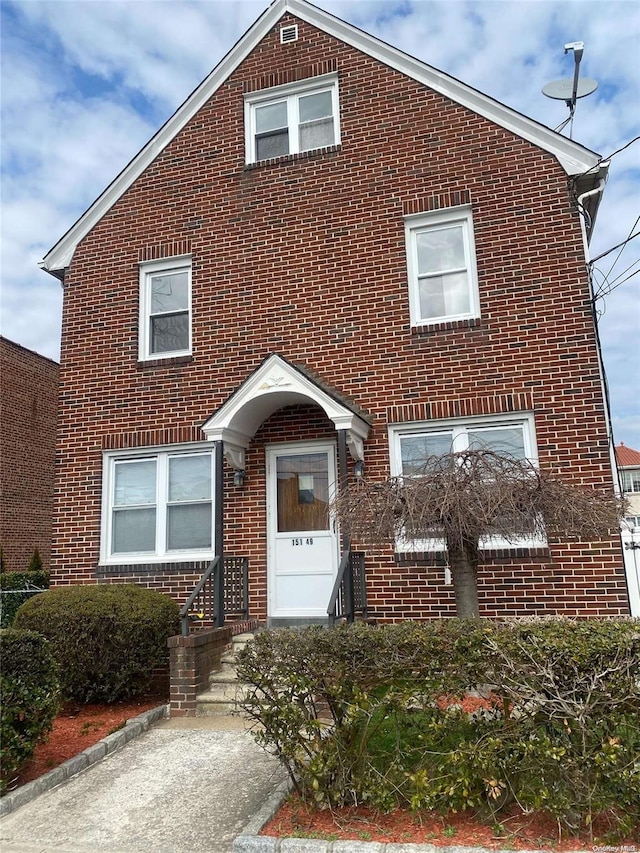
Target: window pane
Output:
[(631, 481), (188, 527), (190, 478), (303, 492), (314, 106), (134, 530), (271, 117), (440, 249), (416, 450), (170, 333), (135, 483), (169, 292), (273, 145), (505, 440), (316, 135), (444, 295)]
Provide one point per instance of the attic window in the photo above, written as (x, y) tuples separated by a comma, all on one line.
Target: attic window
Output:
[(301, 116), (288, 34)]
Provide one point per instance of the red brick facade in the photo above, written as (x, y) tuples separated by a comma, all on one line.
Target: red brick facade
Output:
[(29, 404), (305, 256)]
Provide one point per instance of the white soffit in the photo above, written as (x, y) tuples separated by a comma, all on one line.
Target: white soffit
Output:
[(574, 158), (275, 384)]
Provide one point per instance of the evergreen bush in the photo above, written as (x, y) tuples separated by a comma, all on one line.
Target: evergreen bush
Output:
[(29, 698), (452, 714), (107, 639)]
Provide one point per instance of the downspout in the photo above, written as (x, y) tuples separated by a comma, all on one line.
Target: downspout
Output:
[(583, 213)]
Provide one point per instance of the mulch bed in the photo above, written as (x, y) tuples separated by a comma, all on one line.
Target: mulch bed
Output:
[(516, 830)]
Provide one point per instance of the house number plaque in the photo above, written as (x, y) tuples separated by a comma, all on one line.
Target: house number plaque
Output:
[(307, 541)]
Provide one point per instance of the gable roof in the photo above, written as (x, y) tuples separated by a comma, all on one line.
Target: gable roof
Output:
[(576, 160), (627, 456)]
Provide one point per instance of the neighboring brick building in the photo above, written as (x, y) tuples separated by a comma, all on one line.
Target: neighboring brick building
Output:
[(332, 253), (28, 415)]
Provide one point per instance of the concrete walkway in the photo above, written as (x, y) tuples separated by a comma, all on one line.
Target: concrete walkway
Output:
[(183, 786)]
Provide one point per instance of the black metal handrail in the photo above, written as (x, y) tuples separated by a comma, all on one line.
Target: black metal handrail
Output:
[(349, 595), (203, 594), (206, 606)]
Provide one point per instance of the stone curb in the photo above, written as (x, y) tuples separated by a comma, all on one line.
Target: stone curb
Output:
[(132, 729), (268, 844)]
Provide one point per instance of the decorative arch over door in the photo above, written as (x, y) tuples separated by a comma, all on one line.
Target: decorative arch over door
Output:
[(277, 383)]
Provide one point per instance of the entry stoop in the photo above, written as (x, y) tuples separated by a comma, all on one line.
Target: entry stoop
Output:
[(224, 688)]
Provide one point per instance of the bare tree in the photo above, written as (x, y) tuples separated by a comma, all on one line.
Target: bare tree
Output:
[(464, 498)]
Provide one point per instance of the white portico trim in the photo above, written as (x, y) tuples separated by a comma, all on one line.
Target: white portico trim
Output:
[(277, 383)]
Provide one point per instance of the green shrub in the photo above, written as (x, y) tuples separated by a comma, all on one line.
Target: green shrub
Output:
[(15, 589), (35, 564), (453, 715), (29, 697), (107, 639)]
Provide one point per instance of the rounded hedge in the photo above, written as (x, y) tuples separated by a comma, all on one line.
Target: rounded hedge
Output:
[(107, 639), (29, 697)]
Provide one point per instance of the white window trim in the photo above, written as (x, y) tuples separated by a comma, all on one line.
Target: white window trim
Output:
[(633, 474), (146, 270), (424, 221), (289, 92), (109, 458), (458, 426)]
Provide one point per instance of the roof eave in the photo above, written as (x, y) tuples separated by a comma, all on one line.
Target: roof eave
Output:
[(574, 158)]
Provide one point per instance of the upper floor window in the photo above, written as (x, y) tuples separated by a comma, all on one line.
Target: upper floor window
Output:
[(165, 308), (631, 480), (157, 505), (441, 263), (292, 118)]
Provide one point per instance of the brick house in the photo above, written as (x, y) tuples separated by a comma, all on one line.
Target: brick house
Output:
[(331, 257), (28, 415)]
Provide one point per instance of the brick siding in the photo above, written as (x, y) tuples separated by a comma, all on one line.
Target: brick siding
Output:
[(305, 256), (28, 414)]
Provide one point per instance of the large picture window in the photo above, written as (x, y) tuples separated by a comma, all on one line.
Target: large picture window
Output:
[(293, 118), (158, 506), (415, 446), (165, 308), (441, 266)]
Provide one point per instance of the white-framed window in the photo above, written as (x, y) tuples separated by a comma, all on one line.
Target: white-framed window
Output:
[(165, 308), (413, 445), (631, 480), (289, 119), (157, 505), (441, 266), (631, 522)]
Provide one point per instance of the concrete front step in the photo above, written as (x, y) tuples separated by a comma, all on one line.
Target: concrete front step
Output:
[(224, 689)]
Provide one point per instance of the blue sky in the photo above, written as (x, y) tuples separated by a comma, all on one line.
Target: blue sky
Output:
[(85, 83)]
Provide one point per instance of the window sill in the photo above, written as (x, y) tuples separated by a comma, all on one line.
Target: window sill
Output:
[(293, 158), (446, 326), (487, 555), (195, 566), (170, 361)]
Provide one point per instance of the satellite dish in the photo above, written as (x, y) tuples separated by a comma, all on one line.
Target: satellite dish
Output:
[(562, 90), (571, 89)]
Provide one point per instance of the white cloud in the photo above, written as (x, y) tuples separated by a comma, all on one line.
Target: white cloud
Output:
[(86, 84)]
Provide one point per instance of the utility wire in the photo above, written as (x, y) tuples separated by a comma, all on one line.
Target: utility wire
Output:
[(622, 247), (613, 248)]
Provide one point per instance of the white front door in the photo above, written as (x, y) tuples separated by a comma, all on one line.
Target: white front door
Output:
[(303, 547)]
